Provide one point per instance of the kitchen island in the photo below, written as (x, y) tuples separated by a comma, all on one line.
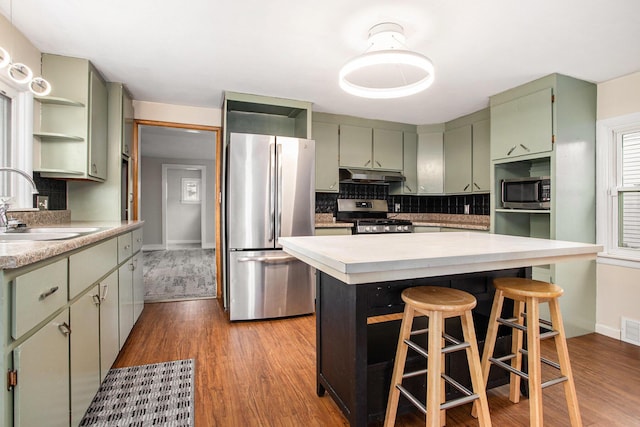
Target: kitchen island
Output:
[(358, 305)]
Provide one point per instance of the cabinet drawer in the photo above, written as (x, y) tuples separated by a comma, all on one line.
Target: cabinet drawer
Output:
[(137, 240), (38, 294), (86, 267), (125, 247)]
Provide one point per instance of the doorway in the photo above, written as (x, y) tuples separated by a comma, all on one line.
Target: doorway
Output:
[(174, 192)]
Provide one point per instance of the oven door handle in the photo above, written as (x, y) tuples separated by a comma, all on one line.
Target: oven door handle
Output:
[(268, 260)]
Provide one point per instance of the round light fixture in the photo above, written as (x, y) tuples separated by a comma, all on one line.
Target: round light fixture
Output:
[(20, 73), (387, 69), (40, 87)]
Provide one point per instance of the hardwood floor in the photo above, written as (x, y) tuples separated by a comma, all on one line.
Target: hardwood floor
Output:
[(262, 373)]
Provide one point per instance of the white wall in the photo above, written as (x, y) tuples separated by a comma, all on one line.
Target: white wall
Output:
[(618, 286), (19, 47), (177, 113), (151, 202), (183, 219)]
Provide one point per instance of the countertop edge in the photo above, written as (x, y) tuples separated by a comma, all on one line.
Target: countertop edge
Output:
[(20, 254)]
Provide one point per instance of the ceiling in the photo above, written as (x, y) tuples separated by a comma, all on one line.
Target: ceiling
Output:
[(188, 53)]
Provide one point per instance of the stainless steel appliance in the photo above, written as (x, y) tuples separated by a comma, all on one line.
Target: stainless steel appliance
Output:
[(526, 193), (270, 194), (370, 217)]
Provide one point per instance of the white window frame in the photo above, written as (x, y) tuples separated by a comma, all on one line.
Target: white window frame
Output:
[(609, 136), (22, 145)]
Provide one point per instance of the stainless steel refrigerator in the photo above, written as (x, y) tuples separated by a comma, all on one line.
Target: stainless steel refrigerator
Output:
[(270, 193)]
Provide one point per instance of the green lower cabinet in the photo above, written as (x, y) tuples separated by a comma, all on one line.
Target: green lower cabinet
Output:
[(138, 287), (109, 327), (41, 397), (84, 355), (335, 231), (125, 300)]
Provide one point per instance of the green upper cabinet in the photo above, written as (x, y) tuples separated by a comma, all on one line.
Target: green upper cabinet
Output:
[(430, 163), (127, 127), (355, 146), (522, 126), (410, 171), (387, 149), (71, 136), (481, 162), (327, 153), (457, 160)]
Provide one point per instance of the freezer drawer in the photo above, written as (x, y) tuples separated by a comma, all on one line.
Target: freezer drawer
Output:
[(267, 284)]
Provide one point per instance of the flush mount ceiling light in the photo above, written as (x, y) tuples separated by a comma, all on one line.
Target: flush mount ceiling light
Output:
[(387, 69)]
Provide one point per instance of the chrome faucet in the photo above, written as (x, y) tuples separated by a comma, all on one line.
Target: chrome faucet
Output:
[(4, 201)]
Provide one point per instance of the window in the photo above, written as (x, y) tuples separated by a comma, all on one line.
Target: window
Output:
[(16, 144), (618, 187), (629, 190)]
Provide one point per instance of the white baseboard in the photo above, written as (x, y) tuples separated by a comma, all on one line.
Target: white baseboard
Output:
[(608, 331), (182, 242), (208, 246), (153, 248)]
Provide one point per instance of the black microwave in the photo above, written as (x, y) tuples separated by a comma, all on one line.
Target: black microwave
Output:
[(527, 193)]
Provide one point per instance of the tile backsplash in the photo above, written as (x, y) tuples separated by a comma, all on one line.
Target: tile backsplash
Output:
[(478, 203), (56, 189)]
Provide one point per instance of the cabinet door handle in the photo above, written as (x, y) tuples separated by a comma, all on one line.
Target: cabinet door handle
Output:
[(525, 147), (126, 247), (64, 328), (378, 163), (476, 185), (96, 299), (422, 187), (131, 267), (49, 292), (367, 164), (408, 188), (333, 185), (465, 187), (511, 151), (94, 168)]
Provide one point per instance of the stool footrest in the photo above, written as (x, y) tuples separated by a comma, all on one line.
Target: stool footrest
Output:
[(457, 385), (414, 373), (415, 347), (500, 362), (554, 381), (543, 323), (542, 359), (446, 405), (412, 398)]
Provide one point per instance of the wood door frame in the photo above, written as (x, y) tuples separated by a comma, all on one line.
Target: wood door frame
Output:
[(135, 158)]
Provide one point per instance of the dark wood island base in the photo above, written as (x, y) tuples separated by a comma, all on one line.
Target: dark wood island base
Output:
[(357, 328)]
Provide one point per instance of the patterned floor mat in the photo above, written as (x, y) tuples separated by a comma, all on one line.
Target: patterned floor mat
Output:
[(146, 395)]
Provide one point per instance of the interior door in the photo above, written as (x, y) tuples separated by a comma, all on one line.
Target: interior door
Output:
[(251, 192), (295, 176)]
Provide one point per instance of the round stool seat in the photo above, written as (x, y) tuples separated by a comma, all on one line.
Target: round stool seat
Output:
[(435, 298), (518, 286)]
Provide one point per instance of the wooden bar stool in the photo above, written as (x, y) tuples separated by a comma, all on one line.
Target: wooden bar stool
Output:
[(528, 294), (438, 304)]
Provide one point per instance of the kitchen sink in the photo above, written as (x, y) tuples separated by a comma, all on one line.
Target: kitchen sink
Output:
[(38, 230), (46, 233), (28, 236)]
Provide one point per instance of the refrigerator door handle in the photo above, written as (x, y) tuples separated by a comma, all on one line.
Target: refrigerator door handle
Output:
[(272, 184), (264, 259), (279, 193)]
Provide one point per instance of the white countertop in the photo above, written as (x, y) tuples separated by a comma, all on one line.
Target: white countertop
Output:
[(380, 257)]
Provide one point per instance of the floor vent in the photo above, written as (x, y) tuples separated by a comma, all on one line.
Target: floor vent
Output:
[(631, 331)]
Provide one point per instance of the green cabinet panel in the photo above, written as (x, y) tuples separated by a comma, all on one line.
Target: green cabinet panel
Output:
[(84, 353), (41, 397), (481, 157), (138, 286), (127, 123), (355, 146), (457, 160), (387, 149), (109, 330), (72, 134), (522, 126), (335, 231), (327, 140), (430, 163), (410, 170), (125, 300)]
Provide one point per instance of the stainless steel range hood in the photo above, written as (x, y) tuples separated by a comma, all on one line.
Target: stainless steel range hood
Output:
[(371, 176)]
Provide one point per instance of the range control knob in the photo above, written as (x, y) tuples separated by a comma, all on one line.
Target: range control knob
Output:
[(367, 228), (387, 228)]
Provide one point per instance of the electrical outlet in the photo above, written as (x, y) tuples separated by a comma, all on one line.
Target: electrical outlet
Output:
[(396, 208), (42, 202)]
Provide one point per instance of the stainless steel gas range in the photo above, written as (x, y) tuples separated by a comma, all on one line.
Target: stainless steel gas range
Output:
[(370, 217)]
